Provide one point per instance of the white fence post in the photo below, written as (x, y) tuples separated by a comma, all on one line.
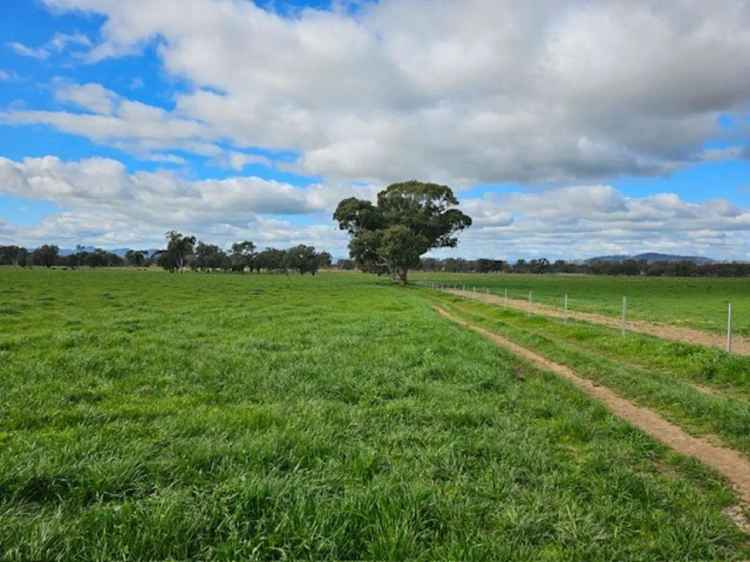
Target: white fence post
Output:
[(565, 306), (729, 328), (624, 314), (506, 298)]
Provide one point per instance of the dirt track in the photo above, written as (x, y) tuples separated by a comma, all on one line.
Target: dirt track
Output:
[(734, 466), (740, 345)]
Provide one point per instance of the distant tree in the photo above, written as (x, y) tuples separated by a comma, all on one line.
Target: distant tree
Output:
[(208, 257), (136, 258), (430, 264), (346, 265), (13, 255), (541, 265), (100, 258), (97, 258), (304, 259), (179, 248), (271, 259), (23, 257), (409, 219), (325, 260), (489, 266), (45, 255), (243, 254), (452, 265)]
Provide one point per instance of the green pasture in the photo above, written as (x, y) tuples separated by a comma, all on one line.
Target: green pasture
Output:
[(698, 302), (149, 416)]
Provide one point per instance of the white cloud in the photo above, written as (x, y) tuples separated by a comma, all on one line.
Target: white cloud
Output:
[(24, 51), (59, 43), (104, 204), (91, 97), (585, 221), (168, 159), (464, 92), (238, 160), (569, 93), (110, 119)]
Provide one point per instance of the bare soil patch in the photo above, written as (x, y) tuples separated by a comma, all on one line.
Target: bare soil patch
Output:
[(708, 449), (740, 345)]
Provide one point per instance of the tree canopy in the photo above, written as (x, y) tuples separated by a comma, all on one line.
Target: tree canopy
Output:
[(45, 255), (304, 259), (179, 247), (408, 220)]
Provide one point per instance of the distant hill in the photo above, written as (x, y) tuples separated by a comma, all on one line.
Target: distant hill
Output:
[(652, 258), (70, 251)]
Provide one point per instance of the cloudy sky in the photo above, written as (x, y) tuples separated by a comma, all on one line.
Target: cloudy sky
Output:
[(568, 128)]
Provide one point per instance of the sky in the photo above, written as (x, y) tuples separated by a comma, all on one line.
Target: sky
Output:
[(567, 128)]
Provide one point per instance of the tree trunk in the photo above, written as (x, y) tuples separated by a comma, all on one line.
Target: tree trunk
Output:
[(402, 275)]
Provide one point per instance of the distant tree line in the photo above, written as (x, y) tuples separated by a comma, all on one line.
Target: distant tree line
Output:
[(182, 252), (48, 255), (185, 252), (542, 266)]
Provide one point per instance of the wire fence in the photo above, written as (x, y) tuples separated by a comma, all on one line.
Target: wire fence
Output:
[(565, 308)]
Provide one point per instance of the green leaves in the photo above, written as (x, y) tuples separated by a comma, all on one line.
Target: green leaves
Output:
[(409, 219), (304, 259), (179, 247)]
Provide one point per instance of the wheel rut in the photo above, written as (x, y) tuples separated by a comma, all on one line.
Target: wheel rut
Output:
[(734, 466), (740, 345)]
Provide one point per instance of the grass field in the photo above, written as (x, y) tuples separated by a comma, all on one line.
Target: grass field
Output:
[(702, 389), (148, 416), (691, 302)]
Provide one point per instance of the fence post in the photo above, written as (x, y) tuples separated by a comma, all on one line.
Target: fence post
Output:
[(624, 314), (506, 298), (565, 306), (729, 328)]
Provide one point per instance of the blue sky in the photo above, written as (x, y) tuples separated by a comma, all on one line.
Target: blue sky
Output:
[(563, 134)]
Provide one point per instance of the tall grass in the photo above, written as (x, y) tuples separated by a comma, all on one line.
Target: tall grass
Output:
[(147, 416), (689, 302)]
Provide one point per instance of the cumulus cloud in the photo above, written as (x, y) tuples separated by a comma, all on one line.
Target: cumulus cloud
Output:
[(585, 221), (464, 92), (59, 43), (24, 51), (102, 203), (108, 118), (105, 204), (239, 160), (546, 94), (91, 97)]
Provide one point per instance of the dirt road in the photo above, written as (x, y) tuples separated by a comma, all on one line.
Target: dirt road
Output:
[(740, 345), (734, 466)]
